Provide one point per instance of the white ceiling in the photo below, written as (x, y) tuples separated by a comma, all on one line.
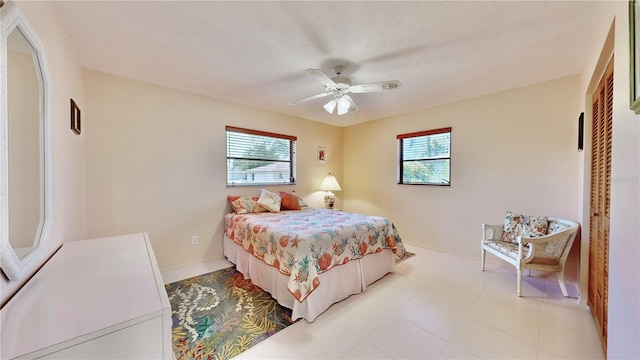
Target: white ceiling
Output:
[(255, 53)]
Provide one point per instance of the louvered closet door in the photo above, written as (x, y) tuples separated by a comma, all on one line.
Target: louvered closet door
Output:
[(600, 196)]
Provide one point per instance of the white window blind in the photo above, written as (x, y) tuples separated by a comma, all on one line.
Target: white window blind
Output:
[(424, 157), (260, 158)]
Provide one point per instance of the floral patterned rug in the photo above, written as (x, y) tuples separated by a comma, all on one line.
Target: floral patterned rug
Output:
[(220, 314)]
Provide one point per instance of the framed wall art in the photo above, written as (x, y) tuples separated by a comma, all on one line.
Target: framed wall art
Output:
[(75, 118), (322, 154)]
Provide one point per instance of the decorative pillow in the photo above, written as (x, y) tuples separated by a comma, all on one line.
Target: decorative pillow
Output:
[(289, 201), (555, 227), (245, 204), (232, 198), (271, 201), (300, 201), (523, 225)]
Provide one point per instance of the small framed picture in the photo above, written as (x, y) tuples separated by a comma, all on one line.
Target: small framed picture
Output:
[(322, 154), (75, 118)]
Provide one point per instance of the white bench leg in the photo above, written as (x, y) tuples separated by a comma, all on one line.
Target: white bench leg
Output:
[(483, 255), (519, 288), (563, 287)]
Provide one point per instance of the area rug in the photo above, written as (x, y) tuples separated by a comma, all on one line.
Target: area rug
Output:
[(220, 314)]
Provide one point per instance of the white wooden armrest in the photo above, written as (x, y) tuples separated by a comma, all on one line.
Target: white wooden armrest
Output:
[(543, 239)]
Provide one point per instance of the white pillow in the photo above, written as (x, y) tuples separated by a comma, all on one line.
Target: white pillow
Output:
[(269, 200), (300, 201)]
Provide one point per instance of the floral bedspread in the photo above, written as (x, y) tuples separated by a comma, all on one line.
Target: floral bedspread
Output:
[(304, 243)]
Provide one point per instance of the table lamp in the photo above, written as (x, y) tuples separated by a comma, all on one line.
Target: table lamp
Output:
[(330, 184)]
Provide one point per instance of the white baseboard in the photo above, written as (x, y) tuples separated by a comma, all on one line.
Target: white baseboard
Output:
[(195, 269)]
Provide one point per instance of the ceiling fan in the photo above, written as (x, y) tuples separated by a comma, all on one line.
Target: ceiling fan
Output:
[(339, 87)]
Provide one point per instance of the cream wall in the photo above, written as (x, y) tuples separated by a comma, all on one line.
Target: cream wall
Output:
[(514, 150), (156, 162), (68, 160)]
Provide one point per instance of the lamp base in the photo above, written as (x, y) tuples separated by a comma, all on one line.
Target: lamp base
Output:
[(329, 200)]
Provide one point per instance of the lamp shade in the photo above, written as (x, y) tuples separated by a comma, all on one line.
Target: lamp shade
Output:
[(330, 106), (343, 106), (330, 184)]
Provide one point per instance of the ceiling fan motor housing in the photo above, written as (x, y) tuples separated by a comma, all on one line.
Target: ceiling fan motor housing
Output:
[(341, 83)]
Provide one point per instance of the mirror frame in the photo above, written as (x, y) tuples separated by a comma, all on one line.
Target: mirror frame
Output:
[(14, 267)]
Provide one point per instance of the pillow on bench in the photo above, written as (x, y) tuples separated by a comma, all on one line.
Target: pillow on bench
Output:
[(555, 227), (523, 225)]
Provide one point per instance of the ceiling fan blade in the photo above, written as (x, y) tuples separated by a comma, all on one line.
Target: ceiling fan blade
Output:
[(373, 87), (317, 96), (352, 105), (321, 76)]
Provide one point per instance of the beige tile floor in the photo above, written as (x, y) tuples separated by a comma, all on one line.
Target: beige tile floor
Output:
[(438, 306)]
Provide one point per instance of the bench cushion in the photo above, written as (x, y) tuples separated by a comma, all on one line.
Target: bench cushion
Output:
[(505, 247)]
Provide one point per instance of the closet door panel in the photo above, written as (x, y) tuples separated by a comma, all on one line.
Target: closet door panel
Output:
[(599, 202)]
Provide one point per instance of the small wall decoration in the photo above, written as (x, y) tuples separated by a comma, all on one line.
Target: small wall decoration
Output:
[(634, 52), (75, 118), (322, 154), (581, 131)]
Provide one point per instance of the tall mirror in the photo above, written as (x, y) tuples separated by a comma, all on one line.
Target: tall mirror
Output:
[(25, 146)]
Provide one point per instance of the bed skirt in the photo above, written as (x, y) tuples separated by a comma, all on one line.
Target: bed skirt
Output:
[(335, 285)]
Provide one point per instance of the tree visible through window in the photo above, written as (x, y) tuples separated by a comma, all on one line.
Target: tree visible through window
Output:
[(259, 158), (424, 157)]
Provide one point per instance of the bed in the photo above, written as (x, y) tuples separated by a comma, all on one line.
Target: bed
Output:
[(311, 258)]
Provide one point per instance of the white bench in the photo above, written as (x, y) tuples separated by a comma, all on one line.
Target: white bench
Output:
[(547, 253)]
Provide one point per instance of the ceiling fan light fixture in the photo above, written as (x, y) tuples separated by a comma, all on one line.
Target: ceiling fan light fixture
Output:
[(330, 106), (340, 87), (343, 106)]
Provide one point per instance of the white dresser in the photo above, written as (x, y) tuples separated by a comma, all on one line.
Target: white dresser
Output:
[(94, 299)]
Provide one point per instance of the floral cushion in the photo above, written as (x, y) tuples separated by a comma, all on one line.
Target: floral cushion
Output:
[(523, 225), (507, 248), (245, 204), (270, 200), (289, 201)]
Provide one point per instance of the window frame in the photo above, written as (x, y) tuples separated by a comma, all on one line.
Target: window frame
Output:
[(292, 156), (417, 134)]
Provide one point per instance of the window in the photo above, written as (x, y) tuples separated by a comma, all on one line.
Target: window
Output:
[(425, 157), (260, 158)]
